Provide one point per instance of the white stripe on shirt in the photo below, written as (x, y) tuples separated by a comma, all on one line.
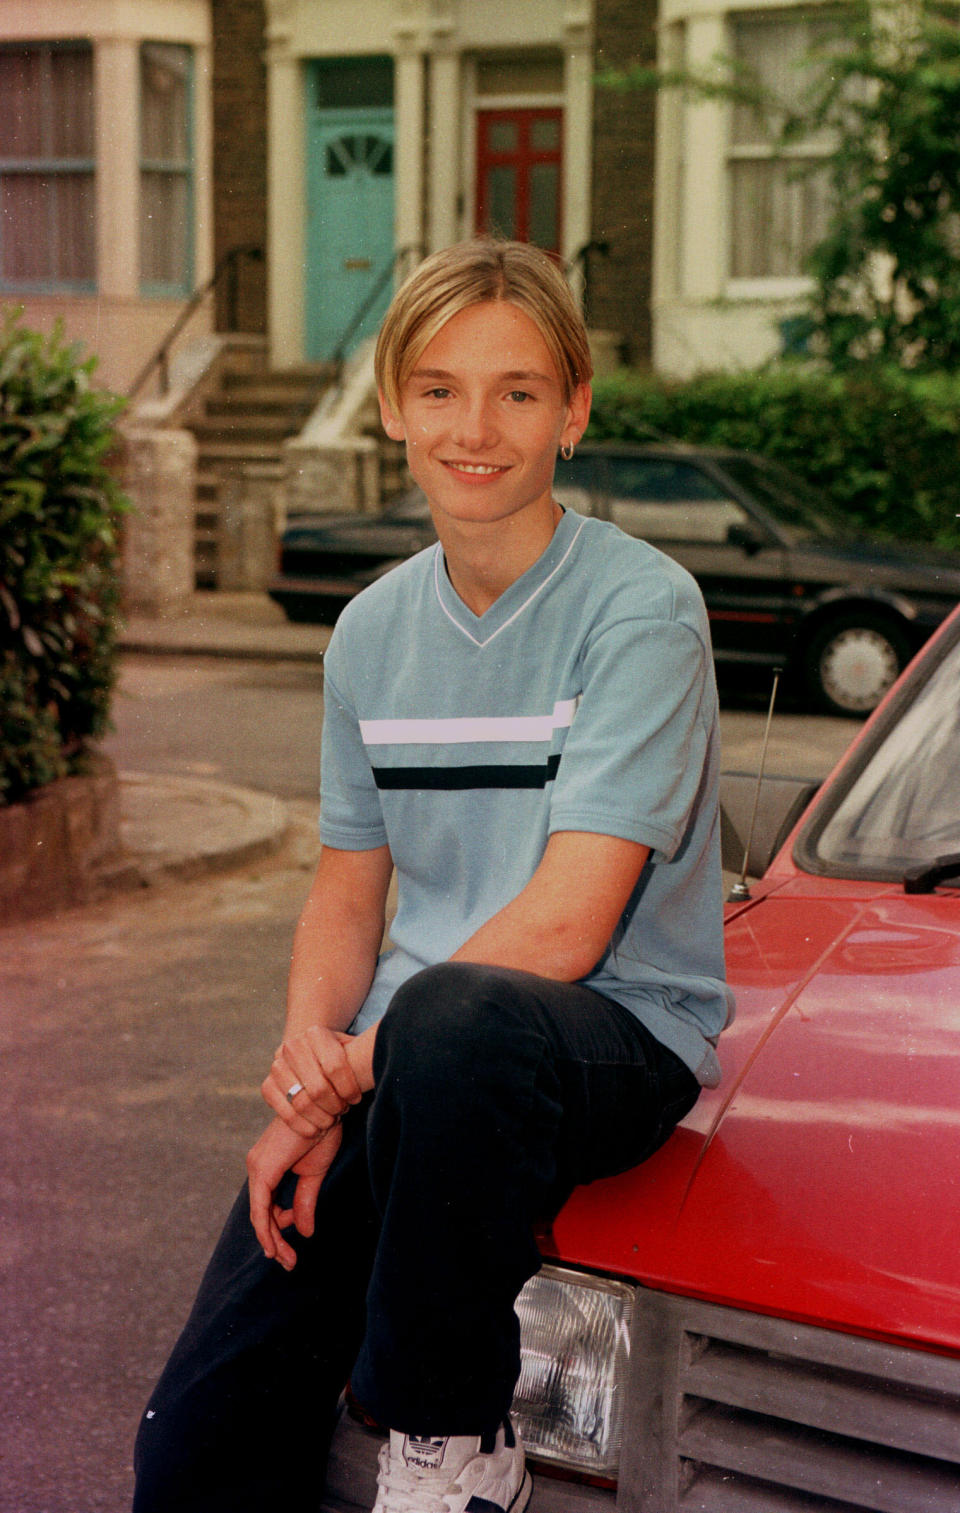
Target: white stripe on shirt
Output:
[(535, 727)]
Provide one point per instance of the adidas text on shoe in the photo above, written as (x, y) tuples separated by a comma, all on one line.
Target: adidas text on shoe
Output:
[(453, 1474)]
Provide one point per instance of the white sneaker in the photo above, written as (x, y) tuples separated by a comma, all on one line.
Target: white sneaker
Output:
[(456, 1474)]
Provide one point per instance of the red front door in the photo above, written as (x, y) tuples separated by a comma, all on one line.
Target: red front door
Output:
[(519, 154)]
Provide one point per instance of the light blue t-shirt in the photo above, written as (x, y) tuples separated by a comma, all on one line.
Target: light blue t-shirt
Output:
[(583, 699)]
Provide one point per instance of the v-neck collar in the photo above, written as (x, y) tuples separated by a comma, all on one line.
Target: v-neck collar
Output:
[(481, 629)]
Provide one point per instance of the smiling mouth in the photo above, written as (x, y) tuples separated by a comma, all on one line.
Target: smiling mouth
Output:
[(481, 469)]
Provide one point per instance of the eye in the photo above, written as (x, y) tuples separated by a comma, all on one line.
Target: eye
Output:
[(437, 393), (519, 396)]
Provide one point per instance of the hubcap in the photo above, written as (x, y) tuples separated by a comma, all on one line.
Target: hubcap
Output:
[(857, 667)]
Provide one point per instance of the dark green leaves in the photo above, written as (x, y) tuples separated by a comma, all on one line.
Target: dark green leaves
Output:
[(60, 510)]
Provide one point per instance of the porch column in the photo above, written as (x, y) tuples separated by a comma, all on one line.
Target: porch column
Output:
[(203, 162), (578, 123), (703, 221), (286, 197), (445, 150), (117, 98), (408, 215)]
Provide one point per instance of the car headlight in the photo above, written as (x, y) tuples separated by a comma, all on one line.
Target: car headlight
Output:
[(574, 1353)]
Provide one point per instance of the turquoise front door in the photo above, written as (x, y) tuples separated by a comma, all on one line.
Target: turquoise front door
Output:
[(349, 224)]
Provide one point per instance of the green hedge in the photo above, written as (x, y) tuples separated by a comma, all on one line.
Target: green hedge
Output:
[(884, 444), (59, 579)]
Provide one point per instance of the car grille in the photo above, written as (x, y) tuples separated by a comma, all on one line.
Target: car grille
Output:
[(732, 1412), (736, 1413)]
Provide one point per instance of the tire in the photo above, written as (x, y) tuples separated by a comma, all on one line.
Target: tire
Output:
[(852, 660)]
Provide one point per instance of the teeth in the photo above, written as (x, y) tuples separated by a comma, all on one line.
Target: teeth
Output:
[(474, 467)]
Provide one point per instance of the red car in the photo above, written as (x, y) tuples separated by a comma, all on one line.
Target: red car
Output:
[(765, 1318)]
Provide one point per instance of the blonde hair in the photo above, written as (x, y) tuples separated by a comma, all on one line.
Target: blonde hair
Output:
[(473, 273)]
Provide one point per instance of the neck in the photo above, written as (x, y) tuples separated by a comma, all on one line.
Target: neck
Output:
[(482, 564)]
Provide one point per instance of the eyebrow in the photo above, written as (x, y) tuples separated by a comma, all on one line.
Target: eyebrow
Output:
[(517, 375)]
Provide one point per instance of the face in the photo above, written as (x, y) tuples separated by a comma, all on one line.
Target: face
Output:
[(483, 417)]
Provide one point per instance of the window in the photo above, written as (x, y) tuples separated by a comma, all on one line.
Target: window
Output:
[(779, 205), (663, 500), (47, 192), (351, 83), (518, 175), (166, 169)]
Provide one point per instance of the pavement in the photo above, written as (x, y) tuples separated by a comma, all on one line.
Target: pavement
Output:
[(176, 828)]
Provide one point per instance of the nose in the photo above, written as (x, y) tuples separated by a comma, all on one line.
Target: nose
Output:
[(474, 427)]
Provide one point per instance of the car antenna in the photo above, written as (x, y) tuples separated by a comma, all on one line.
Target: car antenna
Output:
[(740, 891)]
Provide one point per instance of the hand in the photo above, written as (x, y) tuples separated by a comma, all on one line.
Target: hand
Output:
[(278, 1151), (317, 1059)]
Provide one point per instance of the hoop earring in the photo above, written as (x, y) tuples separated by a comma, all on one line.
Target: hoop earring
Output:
[(566, 452)]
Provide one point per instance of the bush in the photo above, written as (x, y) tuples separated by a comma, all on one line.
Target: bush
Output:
[(884, 444), (59, 581)]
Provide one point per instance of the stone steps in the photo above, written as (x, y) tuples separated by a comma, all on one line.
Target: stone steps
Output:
[(245, 424)]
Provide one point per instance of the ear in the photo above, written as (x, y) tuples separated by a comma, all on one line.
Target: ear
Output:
[(578, 413), (392, 423)]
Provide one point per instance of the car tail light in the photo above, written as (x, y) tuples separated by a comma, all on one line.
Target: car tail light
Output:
[(575, 1350)]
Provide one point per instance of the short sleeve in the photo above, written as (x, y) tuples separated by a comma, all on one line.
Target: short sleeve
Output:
[(351, 818), (633, 761)]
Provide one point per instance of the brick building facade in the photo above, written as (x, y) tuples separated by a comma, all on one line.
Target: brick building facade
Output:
[(619, 281), (240, 155)]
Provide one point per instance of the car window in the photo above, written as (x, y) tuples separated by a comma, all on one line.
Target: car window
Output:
[(573, 482), (902, 809), (579, 473), (797, 508), (662, 499)]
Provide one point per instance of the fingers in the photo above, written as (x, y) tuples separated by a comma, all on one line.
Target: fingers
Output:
[(269, 1219), (319, 1059), (264, 1216), (277, 1151), (311, 1081), (275, 1088), (310, 1173)]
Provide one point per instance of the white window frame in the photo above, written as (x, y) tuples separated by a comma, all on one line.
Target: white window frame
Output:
[(184, 169), (778, 286)]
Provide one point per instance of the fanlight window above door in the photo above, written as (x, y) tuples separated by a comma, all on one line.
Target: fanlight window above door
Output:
[(359, 151)]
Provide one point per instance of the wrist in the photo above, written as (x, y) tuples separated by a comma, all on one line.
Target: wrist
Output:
[(359, 1051)]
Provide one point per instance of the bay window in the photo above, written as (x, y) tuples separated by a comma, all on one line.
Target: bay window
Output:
[(47, 189)]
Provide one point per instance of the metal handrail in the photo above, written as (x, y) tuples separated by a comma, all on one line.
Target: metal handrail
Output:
[(367, 303), (580, 260), (229, 266)]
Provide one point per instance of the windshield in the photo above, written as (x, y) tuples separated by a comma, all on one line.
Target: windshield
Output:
[(801, 512), (904, 806)]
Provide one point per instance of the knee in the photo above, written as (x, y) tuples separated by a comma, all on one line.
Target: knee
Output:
[(451, 1013)]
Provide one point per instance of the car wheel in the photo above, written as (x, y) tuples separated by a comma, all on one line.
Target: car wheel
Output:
[(851, 662)]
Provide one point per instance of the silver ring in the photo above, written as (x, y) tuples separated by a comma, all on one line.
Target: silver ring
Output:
[(292, 1091)]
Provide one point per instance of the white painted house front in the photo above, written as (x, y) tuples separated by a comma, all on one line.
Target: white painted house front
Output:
[(403, 125), (105, 168), (392, 128)]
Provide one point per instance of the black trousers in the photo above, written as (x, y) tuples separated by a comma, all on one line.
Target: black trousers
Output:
[(497, 1092)]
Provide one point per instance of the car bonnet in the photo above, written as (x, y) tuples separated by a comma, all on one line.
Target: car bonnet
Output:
[(821, 1181)]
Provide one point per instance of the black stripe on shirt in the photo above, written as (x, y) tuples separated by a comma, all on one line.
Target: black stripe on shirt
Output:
[(488, 775)]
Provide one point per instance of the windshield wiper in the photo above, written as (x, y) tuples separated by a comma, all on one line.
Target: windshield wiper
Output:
[(925, 878)]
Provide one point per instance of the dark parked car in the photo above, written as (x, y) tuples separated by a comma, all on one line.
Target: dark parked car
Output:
[(785, 583), (765, 1316)]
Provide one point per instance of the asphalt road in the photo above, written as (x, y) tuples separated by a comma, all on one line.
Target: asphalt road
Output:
[(253, 723), (133, 1036)]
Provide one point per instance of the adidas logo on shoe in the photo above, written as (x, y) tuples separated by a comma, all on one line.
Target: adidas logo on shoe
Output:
[(453, 1473), (423, 1451)]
